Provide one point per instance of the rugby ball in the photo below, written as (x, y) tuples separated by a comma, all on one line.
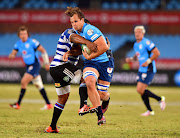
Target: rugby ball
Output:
[(83, 47)]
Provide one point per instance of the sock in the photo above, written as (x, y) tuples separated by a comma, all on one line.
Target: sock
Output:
[(83, 94), (99, 112), (146, 101), (58, 108), (21, 95), (105, 103), (43, 93), (150, 94)]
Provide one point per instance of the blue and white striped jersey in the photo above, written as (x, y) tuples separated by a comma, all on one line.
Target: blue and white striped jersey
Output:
[(63, 46)]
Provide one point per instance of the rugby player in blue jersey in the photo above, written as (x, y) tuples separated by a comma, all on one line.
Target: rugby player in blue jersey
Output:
[(64, 71), (146, 53), (28, 47), (98, 66)]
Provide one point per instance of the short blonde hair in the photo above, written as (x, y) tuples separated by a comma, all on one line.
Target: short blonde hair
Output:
[(140, 27)]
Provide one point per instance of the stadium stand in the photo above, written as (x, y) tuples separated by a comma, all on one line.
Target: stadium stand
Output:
[(167, 44), (104, 4)]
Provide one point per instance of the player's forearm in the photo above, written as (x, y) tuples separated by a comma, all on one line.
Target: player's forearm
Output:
[(97, 54), (155, 55), (74, 38)]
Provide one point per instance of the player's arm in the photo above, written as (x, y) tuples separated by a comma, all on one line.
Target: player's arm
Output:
[(131, 59), (102, 47), (75, 51), (75, 38), (155, 55), (44, 56), (13, 54)]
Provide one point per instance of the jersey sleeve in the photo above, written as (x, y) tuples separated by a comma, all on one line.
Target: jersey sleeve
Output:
[(149, 45), (36, 43), (92, 33), (16, 47), (67, 33)]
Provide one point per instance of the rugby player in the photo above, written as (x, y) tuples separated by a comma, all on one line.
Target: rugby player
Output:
[(98, 67), (146, 53), (28, 47), (64, 71)]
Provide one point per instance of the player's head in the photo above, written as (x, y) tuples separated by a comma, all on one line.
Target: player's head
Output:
[(23, 33), (139, 32), (76, 18)]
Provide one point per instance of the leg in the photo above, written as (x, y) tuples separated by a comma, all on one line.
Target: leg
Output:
[(83, 94), (90, 76), (39, 84), (141, 87), (103, 87), (24, 82), (90, 80), (63, 94)]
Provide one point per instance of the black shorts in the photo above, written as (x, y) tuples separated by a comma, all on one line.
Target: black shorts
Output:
[(63, 74)]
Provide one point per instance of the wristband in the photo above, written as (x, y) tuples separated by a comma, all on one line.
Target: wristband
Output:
[(148, 60), (45, 58)]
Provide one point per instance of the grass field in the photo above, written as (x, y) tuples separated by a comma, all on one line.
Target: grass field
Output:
[(123, 115)]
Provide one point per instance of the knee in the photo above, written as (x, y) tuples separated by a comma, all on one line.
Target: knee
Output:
[(104, 96), (63, 98), (91, 84), (23, 83), (140, 90)]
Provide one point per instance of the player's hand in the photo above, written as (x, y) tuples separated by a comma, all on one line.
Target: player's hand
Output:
[(145, 64), (11, 56), (108, 42), (85, 54), (65, 57), (47, 67), (92, 46)]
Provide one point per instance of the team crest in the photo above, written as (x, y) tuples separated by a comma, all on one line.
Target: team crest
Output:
[(70, 31), (148, 42), (90, 32), (57, 85), (140, 46), (27, 45), (109, 70)]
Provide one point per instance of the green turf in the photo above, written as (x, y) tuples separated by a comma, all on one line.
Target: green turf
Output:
[(123, 116)]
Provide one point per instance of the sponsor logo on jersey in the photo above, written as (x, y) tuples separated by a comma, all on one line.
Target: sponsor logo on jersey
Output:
[(66, 78), (152, 45), (90, 32), (137, 54), (94, 36), (57, 85), (24, 52)]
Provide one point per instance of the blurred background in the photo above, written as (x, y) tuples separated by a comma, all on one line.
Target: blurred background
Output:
[(115, 18)]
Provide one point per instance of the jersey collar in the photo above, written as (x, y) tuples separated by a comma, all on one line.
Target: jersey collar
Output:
[(82, 29)]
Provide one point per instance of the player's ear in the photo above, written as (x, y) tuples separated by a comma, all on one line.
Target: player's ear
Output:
[(82, 19)]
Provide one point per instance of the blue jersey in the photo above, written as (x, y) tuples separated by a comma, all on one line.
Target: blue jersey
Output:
[(63, 46), (92, 33), (28, 50), (143, 52)]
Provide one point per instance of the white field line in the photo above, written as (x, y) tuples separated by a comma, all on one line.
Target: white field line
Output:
[(35, 101)]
